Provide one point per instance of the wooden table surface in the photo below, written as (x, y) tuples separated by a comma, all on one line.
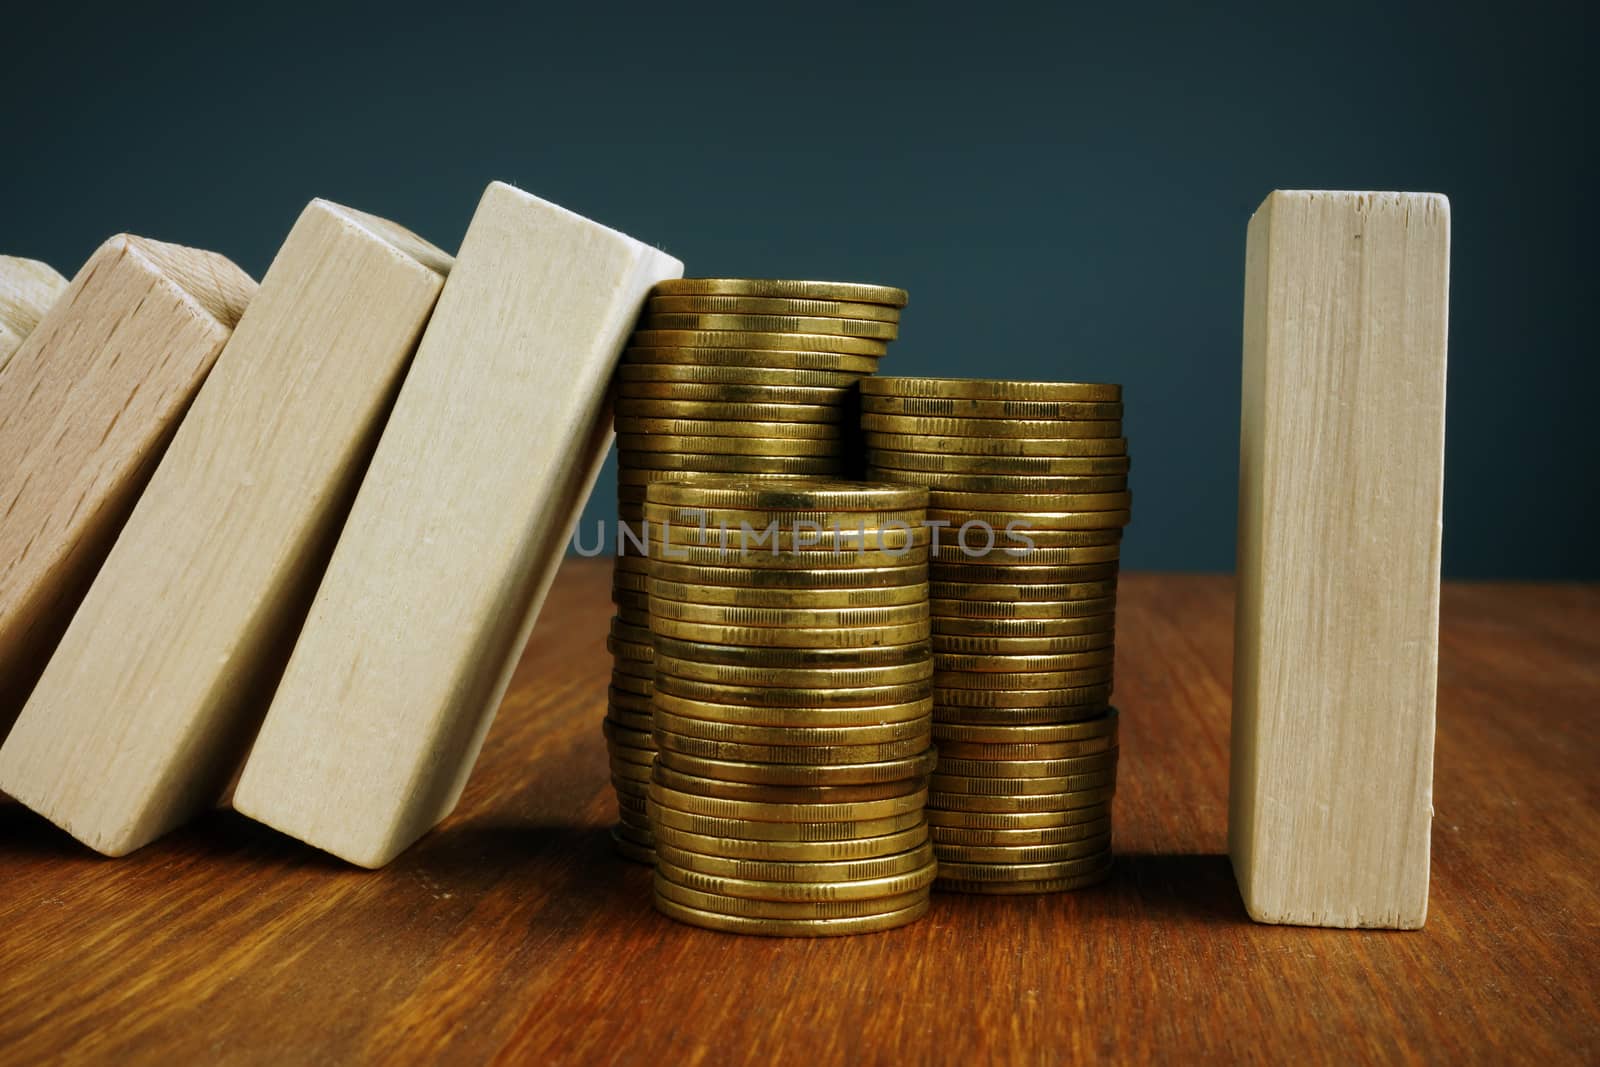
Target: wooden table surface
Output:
[(514, 933)]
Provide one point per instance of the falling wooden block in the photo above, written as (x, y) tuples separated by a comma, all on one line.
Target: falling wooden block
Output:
[(1340, 497), (27, 289), (455, 534), (87, 403), (145, 710)]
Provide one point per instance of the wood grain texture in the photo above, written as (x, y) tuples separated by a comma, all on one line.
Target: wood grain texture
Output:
[(28, 289), (455, 534), (143, 714), (87, 404), (1341, 497), (513, 934)]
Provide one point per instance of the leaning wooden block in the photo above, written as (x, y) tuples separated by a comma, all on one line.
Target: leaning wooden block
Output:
[(145, 711), (455, 535), (1340, 496), (87, 403), (27, 289)]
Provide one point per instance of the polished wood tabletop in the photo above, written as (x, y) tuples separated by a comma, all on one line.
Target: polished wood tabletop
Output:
[(514, 933)]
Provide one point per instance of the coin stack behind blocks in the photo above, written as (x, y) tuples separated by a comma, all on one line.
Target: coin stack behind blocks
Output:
[(725, 376), (1032, 480), (792, 706)]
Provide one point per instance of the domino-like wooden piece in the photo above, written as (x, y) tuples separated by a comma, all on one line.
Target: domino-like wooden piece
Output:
[(27, 290), (150, 701), (87, 403), (1340, 508), (455, 534)]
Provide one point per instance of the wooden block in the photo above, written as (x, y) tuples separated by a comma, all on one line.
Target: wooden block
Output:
[(1340, 506), (27, 290), (455, 535), (87, 403), (145, 711)]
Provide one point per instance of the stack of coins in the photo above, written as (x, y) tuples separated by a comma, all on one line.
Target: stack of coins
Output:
[(1030, 482), (725, 376), (792, 706)]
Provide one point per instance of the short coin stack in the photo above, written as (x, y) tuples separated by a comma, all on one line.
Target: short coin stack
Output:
[(1031, 478), (792, 706), (725, 376)]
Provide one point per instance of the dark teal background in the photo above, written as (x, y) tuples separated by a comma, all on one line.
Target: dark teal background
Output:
[(1063, 188)]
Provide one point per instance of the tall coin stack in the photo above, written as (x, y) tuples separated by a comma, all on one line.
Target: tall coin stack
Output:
[(793, 701), (1031, 479), (725, 376)]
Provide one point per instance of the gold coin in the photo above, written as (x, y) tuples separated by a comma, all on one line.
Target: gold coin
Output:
[(789, 794), (1051, 835), (939, 483), (808, 559), (966, 645), (873, 329), (667, 889), (736, 596), (1050, 885), (802, 494), (621, 768), (630, 754), (1019, 680), (769, 871), (1079, 816), (811, 755), (800, 773), (942, 787), (698, 391), (1071, 703), (729, 428), (959, 408), (769, 340), (953, 714), (1064, 767), (1022, 663), (637, 478), (950, 852), (1024, 750), (633, 598), (1021, 535), (1027, 521), (1063, 733), (778, 539), (627, 701), (950, 608), (1007, 553), (758, 811), (1028, 503), (751, 830), (797, 677), (783, 288), (634, 684), (794, 851), (628, 850), (726, 446), (730, 616), (1038, 429), (766, 305), (788, 521), (738, 924), (638, 721), (994, 389), (1025, 572), (699, 463), (628, 649), (887, 697), (768, 358), (630, 375), (1009, 591), (786, 715), (1017, 447), (1099, 626), (827, 416), (633, 635), (1021, 804), (624, 738), (634, 616), (780, 637), (859, 889), (916, 652), (623, 579), (1024, 872), (886, 460), (919, 730)]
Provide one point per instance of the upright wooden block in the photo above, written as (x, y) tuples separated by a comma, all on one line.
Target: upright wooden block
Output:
[(455, 534), (1340, 506), (87, 403), (145, 711), (27, 289)]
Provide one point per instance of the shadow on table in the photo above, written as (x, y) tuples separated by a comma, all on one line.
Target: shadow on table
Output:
[(1193, 887), (25, 834)]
